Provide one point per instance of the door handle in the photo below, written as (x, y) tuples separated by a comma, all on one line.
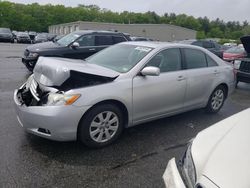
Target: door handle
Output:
[(180, 78), (92, 49), (216, 72)]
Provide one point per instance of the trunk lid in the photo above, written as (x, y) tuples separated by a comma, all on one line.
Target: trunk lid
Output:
[(246, 43)]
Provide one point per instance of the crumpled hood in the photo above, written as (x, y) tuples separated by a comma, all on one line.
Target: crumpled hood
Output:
[(53, 71), (222, 151), (43, 46), (246, 43)]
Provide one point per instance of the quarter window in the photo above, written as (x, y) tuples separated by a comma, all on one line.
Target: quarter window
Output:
[(211, 62), (167, 60), (195, 59), (104, 40), (118, 39)]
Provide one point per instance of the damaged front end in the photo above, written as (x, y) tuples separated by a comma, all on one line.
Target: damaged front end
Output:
[(31, 94)]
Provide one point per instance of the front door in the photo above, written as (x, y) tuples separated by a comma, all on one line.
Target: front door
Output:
[(159, 95), (86, 48)]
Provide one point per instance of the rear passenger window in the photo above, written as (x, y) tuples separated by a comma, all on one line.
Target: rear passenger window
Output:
[(118, 39), (195, 59), (104, 40), (167, 60), (211, 62)]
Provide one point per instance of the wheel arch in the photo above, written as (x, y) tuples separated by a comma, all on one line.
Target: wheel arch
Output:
[(118, 103), (225, 86)]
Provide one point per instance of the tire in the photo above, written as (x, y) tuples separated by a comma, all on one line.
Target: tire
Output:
[(101, 126), (216, 100)]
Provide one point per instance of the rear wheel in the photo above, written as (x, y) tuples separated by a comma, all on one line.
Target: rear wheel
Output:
[(216, 100), (101, 126)]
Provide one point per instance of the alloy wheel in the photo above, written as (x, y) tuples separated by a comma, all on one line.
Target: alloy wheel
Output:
[(104, 126)]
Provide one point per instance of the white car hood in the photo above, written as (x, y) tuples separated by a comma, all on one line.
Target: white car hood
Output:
[(53, 71), (222, 152)]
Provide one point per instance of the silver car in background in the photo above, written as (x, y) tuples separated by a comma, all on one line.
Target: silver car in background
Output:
[(121, 86)]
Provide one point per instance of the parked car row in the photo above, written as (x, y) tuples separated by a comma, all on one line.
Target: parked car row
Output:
[(6, 35)]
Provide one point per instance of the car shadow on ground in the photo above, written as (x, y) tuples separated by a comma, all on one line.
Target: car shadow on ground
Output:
[(135, 142)]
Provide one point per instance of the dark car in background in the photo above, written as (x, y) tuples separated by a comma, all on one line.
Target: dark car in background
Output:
[(32, 35), (41, 37), (242, 65), (76, 45), (58, 37), (23, 37), (51, 37), (6, 35), (210, 45)]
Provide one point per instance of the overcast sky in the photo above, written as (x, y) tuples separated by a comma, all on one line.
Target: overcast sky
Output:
[(227, 10)]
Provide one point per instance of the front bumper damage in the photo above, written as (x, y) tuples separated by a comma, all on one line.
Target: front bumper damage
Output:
[(52, 122)]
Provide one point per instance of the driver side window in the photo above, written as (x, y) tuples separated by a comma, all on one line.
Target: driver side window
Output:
[(167, 60), (86, 40)]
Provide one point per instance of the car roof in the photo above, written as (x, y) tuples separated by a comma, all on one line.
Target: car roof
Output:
[(82, 32), (157, 44)]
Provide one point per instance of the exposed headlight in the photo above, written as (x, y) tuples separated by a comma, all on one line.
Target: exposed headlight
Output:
[(237, 64), (31, 54), (57, 99), (188, 168)]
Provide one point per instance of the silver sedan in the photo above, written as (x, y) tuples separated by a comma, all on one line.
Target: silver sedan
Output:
[(124, 85)]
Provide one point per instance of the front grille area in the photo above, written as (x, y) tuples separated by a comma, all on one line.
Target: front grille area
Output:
[(245, 66), (33, 89), (26, 53)]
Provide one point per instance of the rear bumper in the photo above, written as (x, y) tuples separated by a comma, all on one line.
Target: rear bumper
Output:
[(172, 177), (60, 122)]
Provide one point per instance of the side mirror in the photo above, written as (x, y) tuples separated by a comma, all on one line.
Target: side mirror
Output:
[(75, 45), (150, 71)]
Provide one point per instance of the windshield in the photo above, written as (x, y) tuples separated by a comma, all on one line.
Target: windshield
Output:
[(236, 50), (120, 58), (5, 30), (66, 40)]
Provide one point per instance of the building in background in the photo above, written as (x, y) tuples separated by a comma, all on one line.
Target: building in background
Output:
[(161, 32)]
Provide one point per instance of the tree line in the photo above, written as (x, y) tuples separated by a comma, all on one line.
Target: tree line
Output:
[(35, 17)]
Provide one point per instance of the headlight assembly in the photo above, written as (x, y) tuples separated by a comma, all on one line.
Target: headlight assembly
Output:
[(188, 168), (57, 99)]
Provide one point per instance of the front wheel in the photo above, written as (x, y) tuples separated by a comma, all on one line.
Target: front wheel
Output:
[(101, 126), (216, 100)]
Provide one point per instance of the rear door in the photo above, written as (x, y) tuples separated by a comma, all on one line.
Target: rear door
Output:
[(158, 95), (103, 41), (202, 72)]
